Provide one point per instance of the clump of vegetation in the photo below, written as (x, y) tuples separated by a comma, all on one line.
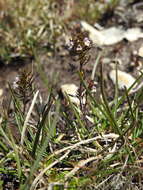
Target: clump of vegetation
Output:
[(103, 148), (48, 144)]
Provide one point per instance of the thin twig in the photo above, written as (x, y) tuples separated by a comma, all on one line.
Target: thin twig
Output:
[(100, 184), (27, 117), (137, 88), (71, 147), (95, 66), (47, 168), (122, 169), (81, 164)]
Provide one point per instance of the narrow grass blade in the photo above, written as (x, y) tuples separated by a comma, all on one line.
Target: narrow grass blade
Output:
[(27, 118)]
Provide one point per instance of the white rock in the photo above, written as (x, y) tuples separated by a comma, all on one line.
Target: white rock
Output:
[(1, 92), (133, 34), (140, 52), (124, 79), (94, 34), (111, 35), (70, 90)]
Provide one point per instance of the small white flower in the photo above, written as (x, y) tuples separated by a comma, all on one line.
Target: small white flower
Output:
[(87, 42), (15, 85), (16, 78), (79, 48), (70, 44)]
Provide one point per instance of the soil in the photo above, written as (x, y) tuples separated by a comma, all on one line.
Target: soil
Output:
[(60, 69)]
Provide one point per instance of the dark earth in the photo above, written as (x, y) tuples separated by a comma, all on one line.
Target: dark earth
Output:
[(61, 68)]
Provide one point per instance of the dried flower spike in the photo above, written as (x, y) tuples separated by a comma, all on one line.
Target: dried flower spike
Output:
[(23, 87)]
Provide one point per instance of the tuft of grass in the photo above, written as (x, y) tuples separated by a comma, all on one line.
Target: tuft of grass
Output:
[(102, 149)]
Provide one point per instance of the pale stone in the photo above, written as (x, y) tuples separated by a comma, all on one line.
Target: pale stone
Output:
[(124, 79), (140, 52), (133, 34), (111, 35), (70, 90), (1, 92)]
